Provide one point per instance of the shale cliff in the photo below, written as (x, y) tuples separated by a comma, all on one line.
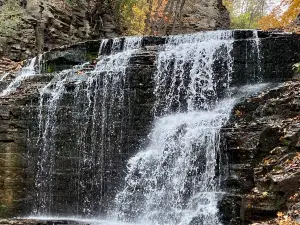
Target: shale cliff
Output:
[(262, 145), (45, 25), (50, 24)]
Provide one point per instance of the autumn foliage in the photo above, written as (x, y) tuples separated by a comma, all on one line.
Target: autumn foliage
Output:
[(282, 16)]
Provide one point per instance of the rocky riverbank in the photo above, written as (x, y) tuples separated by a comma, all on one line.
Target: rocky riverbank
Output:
[(263, 148)]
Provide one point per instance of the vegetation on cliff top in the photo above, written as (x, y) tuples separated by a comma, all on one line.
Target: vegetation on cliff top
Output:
[(263, 15)]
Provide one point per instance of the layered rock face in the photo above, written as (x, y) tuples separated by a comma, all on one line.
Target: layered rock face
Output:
[(51, 24), (262, 145), (203, 15), (188, 16), (20, 121)]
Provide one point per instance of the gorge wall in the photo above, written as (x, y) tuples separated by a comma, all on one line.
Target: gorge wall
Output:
[(190, 16), (51, 24), (262, 139), (257, 56)]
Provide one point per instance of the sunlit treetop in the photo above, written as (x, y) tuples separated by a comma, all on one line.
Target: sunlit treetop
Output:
[(282, 16)]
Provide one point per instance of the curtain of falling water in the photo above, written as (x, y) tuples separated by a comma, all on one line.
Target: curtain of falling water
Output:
[(95, 109), (173, 180)]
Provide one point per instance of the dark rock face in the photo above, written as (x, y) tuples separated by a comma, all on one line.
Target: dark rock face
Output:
[(201, 15), (262, 139), (19, 125), (50, 25)]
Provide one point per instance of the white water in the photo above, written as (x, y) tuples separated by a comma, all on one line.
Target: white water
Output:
[(173, 180), (47, 129), (258, 54), (186, 70), (27, 71), (105, 85)]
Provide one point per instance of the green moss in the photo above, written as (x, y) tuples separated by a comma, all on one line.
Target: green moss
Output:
[(3, 211), (50, 68), (90, 56), (296, 67), (285, 142)]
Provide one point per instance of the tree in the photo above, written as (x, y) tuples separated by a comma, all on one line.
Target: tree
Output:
[(132, 13), (281, 16), (151, 16)]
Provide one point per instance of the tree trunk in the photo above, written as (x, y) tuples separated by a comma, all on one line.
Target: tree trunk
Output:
[(39, 30)]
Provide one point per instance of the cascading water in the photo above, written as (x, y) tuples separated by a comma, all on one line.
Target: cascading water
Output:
[(97, 106), (256, 47), (27, 71), (173, 180), (186, 76)]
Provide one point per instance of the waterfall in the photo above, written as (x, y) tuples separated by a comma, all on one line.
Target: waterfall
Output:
[(27, 71), (95, 110), (174, 179), (187, 76), (84, 118), (256, 48)]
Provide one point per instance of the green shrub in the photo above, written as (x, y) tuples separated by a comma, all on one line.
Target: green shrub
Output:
[(296, 67)]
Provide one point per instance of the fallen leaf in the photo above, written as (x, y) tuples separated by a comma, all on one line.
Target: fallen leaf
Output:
[(279, 214)]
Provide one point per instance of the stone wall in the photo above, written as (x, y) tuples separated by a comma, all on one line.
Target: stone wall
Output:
[(190, 16), (203, 15)]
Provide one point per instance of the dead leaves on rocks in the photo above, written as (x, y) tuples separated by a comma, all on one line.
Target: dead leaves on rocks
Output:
[(7, 65)]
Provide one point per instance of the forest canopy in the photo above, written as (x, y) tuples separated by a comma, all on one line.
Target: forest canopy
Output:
[(149, 16), (263, 14)]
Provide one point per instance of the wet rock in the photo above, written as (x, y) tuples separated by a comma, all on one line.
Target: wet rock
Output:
[(243, 134), (270, 147)]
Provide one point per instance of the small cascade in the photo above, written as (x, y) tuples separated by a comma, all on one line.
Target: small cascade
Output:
[(105, 93), (95, 111), (258, 54), (253, 58), (49, 99), (27, 71), (193, 70)]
